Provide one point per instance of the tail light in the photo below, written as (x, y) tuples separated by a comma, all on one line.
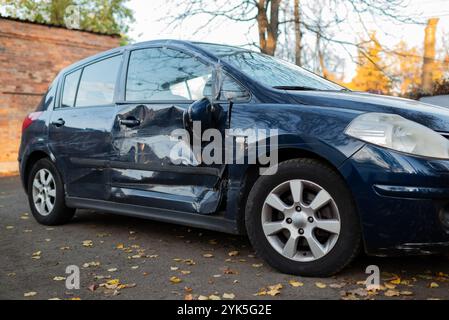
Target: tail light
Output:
[(30, 119)]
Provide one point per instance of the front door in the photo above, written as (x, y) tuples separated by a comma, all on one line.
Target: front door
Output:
[(161, 85), (80, 127)]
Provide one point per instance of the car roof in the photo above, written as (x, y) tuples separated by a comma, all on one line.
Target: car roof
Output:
[(204, 47)]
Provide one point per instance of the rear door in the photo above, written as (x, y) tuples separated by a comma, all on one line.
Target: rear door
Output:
[(80, 127), (160, 85)]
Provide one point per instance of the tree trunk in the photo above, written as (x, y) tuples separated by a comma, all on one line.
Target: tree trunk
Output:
[(268, 26), (429, 55), (298, 33)]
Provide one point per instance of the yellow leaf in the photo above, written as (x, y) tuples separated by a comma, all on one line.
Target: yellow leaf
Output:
[(186, 272), (120, 246), (434, 285), (396, 281), (257, 265), (406, 293), (9, 227), (88, 243), (390, 286), (214, 297), (175, 280), (203, 298), (228, 296), (295, 283), (320, 285), (113, 282), (59, 278), (233, 253), (30, 294), (392, 293), (112, 270), (208, 255)]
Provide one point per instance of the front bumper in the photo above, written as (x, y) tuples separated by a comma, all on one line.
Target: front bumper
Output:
[(403, 201)]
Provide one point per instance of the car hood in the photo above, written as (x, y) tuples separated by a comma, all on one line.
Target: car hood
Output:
[(434, 117)]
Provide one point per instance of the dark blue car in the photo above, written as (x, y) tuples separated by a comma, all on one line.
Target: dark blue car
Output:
[(351, 171)]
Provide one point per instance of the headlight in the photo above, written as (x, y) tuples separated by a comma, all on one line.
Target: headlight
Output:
[(395, 132)]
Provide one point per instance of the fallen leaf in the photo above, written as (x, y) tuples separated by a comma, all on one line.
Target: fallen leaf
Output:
[(188, 297), (92, 287), (320, 285), (30, 294), (203, 298), (88, 243), (75, 299), (434, 285), (186, 272), (295, 283), (175, 280), (59, 278), (337, 285), (120, 246), (214, 297), (112, 270), (208, 255), (257, 265), (36, 255), (406, 293), (135, 267), (91, 264), (9, 227), (396, 281), (188, 289), (174, 268), (392, 293), (233, 253), (274, 290), (228, 296), (64, 248)]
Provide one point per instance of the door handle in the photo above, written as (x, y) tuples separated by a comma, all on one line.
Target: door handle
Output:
[(58, 123), (130, 122)]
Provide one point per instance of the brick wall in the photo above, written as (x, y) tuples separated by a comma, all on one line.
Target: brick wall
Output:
[(31, 55)]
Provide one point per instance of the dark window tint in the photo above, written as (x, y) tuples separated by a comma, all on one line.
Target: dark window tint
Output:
[(166, 74), (232, 90), (69, 91), (97, 83)]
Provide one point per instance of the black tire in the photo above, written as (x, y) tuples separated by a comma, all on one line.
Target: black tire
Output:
[(60, 214), (349, 239)]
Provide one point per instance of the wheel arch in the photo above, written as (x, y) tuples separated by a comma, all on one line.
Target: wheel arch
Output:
[(31, 160), (284, 154)]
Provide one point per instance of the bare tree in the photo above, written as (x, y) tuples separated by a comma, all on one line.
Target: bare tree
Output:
[(267, 16), (298, 32)]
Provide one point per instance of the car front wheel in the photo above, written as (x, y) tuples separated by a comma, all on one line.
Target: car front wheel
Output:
[(302, 220), (46, 195)]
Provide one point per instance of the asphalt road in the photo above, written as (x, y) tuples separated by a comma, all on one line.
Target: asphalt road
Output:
[(127, 258)]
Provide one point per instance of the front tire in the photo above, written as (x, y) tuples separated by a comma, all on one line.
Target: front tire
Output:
[(302, 220), (46, 195)]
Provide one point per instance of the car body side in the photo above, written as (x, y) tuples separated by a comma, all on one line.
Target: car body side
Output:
[(399, 197)]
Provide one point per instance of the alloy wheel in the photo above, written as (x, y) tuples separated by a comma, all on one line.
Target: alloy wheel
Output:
[(44, 192), (300, 220)]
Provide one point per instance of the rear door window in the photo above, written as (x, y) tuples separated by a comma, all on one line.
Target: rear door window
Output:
[(97, 85), (69, 90)]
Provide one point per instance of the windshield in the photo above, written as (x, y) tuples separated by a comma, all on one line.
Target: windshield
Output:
[(270, 71)]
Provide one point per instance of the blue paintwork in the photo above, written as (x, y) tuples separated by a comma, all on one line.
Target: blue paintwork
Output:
[(398, 196)]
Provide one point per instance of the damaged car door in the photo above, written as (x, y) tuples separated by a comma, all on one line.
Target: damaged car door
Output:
[(163, 88)]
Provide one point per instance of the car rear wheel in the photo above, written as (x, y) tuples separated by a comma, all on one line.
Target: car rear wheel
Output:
[(302, 220), (46, 195)]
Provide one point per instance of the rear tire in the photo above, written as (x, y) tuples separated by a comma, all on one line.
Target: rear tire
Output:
[(303, 233), (46, 195)]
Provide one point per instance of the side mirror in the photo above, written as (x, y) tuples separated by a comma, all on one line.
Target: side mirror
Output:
[(203, 111)]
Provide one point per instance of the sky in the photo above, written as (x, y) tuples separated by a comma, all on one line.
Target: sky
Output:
[(151, 23)]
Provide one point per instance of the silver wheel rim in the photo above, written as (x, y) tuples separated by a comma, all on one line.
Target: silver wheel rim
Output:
[(44, 192), (300, 220)]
